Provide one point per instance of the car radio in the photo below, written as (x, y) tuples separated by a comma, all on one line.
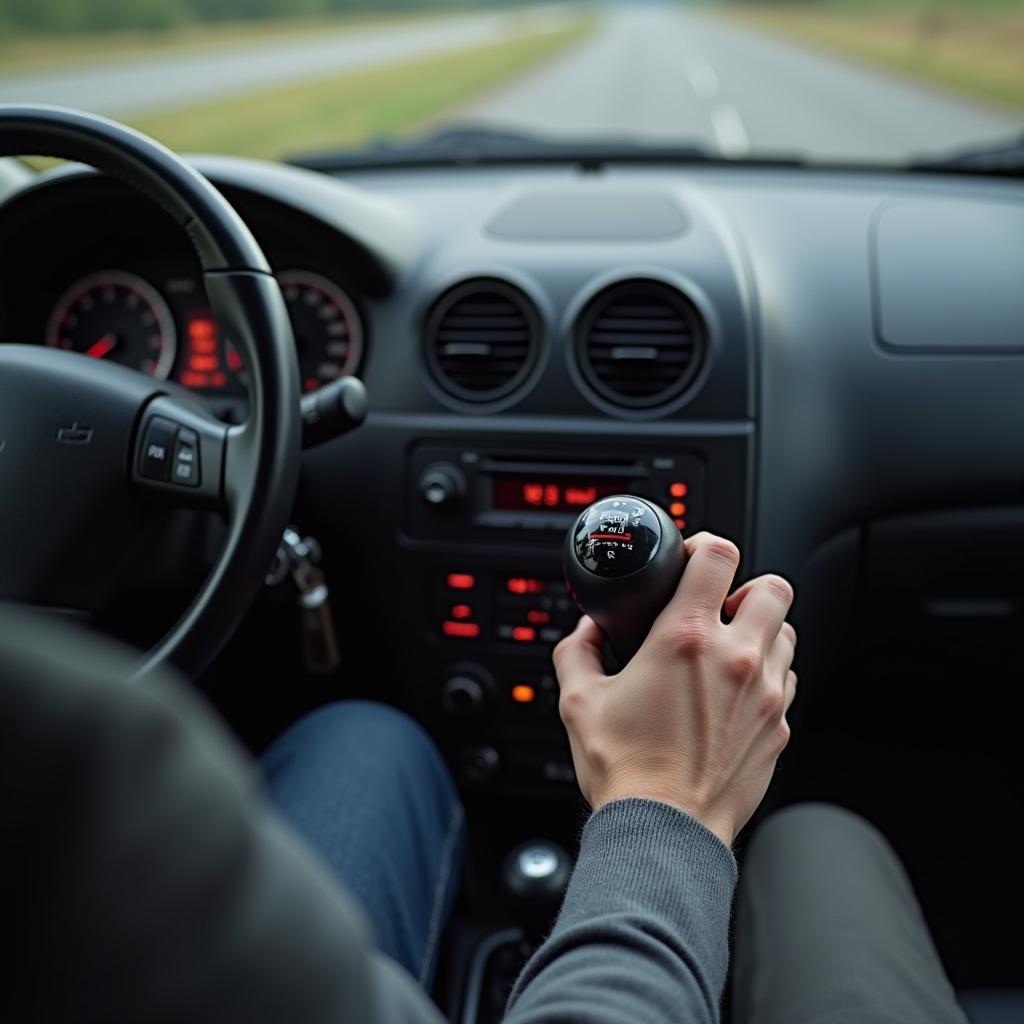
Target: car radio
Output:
[(483, 494), (484, 527)]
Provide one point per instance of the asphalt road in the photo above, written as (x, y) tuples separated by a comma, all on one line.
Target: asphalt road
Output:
[(661, 73), (649, 71)]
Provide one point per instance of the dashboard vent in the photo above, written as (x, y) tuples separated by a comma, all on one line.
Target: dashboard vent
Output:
[(639, 344), (482, 338)]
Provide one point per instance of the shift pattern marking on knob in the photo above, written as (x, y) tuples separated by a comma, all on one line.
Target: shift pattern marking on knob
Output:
[(616, 536)]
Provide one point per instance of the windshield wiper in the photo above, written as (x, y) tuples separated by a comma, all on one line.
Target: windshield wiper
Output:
[(471, 146), (1000, 161)]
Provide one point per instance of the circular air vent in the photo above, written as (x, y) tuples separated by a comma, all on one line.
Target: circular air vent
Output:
[(639, 344), (481, 340)]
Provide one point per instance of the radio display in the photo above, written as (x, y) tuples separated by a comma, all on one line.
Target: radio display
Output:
[(552, 494)]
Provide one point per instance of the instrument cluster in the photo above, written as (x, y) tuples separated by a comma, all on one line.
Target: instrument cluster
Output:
[(166, 329)]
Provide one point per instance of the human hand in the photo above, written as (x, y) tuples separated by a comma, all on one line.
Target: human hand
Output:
[(697, 719)]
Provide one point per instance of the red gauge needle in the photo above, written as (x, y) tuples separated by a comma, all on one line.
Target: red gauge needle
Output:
[(100, 348)]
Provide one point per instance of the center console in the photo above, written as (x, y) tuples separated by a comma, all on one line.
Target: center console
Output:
[(482, 538)]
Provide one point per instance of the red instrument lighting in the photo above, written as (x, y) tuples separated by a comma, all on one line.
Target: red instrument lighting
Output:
[(200, 326), (677, 508), (677, 490), (202, 356), (538, 618), (610, 536), (461, 580), (556, 494), (533, 494), (462, 611), (580, 496), (523, 694), (100, 348), (524, 634), (681, 523), (467, 629), (524, 585), (234, 360)]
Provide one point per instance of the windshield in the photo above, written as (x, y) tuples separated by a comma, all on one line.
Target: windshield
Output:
[(826, 80)]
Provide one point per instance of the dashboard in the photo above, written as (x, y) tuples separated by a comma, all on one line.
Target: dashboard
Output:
[(167, 330), (798, 360)]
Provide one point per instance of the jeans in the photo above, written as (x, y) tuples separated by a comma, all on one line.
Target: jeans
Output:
[(367, 789)]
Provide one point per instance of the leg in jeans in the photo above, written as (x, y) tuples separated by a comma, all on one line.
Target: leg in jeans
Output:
[(366, 787), (829, 931)]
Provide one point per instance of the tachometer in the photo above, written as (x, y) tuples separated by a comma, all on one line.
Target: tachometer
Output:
[(328, 332), (117, 316)]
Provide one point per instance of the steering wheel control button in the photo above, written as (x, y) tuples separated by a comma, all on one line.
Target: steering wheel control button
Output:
[(157, 449), (186, 459), (617, 536)]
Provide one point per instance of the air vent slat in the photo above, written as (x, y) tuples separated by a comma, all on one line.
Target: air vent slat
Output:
[(481, 340), (639, 344), (624, 323)]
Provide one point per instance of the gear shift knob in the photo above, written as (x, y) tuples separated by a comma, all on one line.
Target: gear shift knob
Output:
[(623, 558)]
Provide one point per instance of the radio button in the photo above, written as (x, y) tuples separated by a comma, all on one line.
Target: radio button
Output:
[(463, 696), (480, 764), (442, 485)]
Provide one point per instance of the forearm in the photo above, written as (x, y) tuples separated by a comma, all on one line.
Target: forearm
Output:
[(643, 932)]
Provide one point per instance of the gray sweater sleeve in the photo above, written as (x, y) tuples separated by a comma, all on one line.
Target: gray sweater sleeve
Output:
[(643, 931), (141, 868)]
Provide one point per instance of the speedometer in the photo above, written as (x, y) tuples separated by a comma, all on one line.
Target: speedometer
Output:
[(326, 324), (117, 316)]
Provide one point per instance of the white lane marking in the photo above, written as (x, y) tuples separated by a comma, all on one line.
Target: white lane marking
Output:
[(729, 130), (701, 75)]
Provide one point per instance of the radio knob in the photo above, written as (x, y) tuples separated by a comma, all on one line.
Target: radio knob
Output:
[(480, 764), (462, 695), (442, 485)]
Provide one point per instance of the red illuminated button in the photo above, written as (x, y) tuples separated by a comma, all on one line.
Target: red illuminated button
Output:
[(538, 618), (677, 508), (462, 611), (460, 628), (677, 490), (523, 585), (681, 523), (523, 694), (461, 580), (524, 634)]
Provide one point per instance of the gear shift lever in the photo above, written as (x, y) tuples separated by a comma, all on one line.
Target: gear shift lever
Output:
[(623, 558)]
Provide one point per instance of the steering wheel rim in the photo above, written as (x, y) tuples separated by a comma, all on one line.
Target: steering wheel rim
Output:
[(257, 462)]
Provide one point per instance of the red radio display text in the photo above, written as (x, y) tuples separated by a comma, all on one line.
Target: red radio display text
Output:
[(519, 493)]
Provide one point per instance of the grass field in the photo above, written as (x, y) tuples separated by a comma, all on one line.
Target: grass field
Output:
[(48, 52), (973, 46), (353, 108)]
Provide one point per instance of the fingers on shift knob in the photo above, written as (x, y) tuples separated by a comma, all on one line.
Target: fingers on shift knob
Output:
[(623, 558)]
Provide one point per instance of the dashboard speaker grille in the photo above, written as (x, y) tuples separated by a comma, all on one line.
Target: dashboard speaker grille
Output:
[(482, 338), (639, 344)]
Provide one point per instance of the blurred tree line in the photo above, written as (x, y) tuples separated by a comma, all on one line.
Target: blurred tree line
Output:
[(42, 16)]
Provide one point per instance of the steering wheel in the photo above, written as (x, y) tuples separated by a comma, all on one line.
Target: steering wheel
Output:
[(87, 447)]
